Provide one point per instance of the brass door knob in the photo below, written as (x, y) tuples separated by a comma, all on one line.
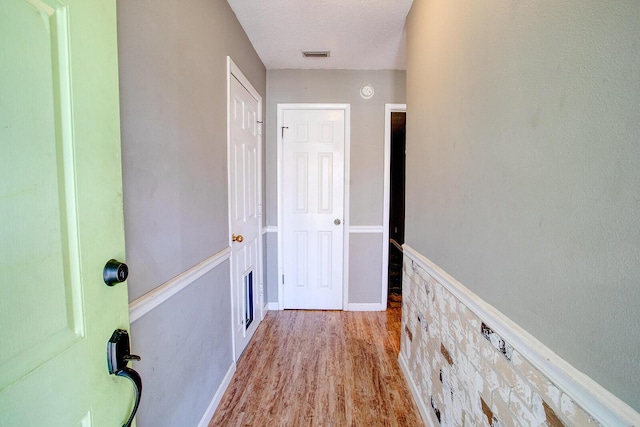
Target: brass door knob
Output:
[(237, 238)]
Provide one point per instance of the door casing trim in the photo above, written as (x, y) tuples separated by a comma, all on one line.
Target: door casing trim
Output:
[(346, 222)]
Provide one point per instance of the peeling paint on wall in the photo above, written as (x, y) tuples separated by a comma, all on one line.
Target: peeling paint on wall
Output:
[(496, 340), (467, 372)]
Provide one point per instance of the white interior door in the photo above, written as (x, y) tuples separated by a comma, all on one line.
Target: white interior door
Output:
[(312, 204), (244, 154)]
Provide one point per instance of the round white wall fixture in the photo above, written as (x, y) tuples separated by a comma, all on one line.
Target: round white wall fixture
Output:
[(367, 91)]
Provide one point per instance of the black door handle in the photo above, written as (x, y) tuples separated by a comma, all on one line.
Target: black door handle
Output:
[(118, 355), (115, 272), (137, 382)]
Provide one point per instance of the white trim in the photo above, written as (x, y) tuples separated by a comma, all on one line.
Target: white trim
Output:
[(273, 306), (596, 400), (217, 398), (233, 337), (364, 229), (279, 120), (347, 171), (147, 302), (425, 413), (233, 70), (386, 202), (367, 306), (261, 255), (271, 229), (345, 209)]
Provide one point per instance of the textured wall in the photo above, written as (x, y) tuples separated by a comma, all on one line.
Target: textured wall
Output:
[(174, 147), (465, 373), (522, 168), (367, 141)]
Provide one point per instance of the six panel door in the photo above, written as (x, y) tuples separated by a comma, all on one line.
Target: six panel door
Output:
[(313, 208)]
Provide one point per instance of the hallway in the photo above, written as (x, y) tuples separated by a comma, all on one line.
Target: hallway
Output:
[(321, 368)]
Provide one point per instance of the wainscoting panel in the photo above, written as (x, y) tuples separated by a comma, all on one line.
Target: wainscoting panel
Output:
[(468, 364)]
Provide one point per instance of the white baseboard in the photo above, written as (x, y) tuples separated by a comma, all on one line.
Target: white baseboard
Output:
[(350, 307), (366, 307), (425, 412), (204, 421), (272, 306)]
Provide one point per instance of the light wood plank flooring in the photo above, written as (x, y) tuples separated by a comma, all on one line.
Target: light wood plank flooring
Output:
[(321, 368)]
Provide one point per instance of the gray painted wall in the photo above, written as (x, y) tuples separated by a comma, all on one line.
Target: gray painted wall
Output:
[(271, 267), (367, 147), (523, 175), (173, 95), (365, 268), (179, 382), (173, 111), (367, 128)]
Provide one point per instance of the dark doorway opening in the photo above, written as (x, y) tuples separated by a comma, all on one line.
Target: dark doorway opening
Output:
[(396, 203)]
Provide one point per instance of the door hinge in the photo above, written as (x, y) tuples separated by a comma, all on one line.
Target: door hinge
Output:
[(283, 279), (283, 128)]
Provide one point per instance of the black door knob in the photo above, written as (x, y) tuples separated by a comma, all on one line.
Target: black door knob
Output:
[(115, 272)]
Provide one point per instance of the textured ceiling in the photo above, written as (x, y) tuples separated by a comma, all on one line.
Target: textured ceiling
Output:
[(361, 34)]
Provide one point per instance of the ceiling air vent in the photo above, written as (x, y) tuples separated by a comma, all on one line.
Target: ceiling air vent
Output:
[(316, 54)]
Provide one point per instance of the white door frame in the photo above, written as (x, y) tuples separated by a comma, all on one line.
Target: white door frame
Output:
[(347, 149), (234, 71), (388, 109)]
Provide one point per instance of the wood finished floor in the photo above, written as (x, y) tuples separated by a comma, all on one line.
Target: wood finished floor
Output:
[(321, 368)]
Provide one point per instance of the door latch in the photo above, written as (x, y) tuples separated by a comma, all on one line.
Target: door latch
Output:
[(118, 356)]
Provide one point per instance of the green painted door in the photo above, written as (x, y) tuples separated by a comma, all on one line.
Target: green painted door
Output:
[(60, 214)]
